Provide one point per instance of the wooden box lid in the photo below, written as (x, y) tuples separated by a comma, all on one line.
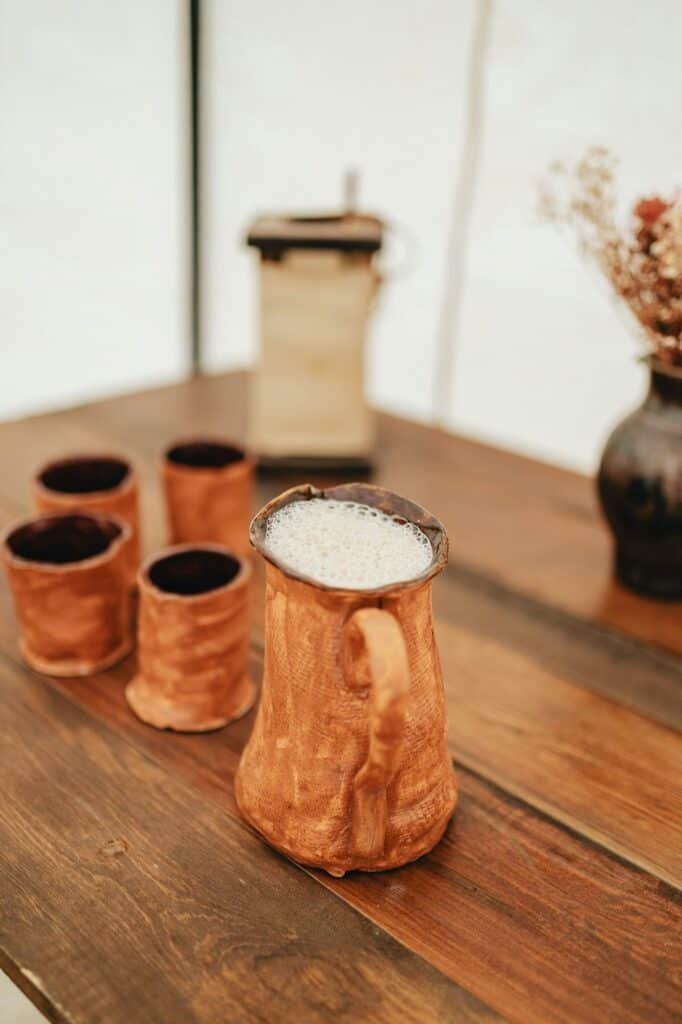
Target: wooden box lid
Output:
[(347, 232)]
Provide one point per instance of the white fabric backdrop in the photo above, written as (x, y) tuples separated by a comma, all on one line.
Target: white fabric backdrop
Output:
[(93, 179), (92, 211)]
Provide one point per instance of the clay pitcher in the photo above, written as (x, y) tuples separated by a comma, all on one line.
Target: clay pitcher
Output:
[(347, 766)]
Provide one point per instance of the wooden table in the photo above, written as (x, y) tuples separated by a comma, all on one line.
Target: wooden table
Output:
[(130, 890)]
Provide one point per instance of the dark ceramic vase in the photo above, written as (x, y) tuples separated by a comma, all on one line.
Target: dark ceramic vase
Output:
[(640, 487)]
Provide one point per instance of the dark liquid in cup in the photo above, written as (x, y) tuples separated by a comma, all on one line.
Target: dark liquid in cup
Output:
[(204, 454), (191, 572), (84, 475), (59, 540)]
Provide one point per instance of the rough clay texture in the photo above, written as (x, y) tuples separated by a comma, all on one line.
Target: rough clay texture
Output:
[(122, 502), (193, 656), (347, 765), (210, 504), (74, 619)]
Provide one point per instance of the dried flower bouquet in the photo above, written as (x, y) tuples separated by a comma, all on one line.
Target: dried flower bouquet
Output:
[(642, 262)]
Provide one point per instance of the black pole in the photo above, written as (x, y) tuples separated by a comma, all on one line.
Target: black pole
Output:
[(195, 210)]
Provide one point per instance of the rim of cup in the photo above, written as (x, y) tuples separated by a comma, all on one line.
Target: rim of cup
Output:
[(47, 478), (34, 522), (207, 454), (238, 569)]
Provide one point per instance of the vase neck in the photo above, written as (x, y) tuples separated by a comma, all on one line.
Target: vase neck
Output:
[(665, 386)]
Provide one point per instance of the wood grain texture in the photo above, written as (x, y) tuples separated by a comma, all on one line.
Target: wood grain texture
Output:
[(127, 897), (552, 693), (532, 528), (533, 920), (489, 490), (518, 648), (643, 678), (599, 768), (524, 714), (533, 728)]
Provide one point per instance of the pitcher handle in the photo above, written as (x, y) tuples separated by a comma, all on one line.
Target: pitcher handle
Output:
[(376, 659)]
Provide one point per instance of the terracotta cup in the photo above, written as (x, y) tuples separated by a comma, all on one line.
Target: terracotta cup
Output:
[(68, 576), (209, 487), (193, 639), (347, 766), (101, 484)]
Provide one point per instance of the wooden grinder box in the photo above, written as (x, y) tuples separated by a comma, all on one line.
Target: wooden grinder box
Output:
[(317, 286)]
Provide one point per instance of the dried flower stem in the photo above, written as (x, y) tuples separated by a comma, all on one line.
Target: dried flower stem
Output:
[(643, 263)]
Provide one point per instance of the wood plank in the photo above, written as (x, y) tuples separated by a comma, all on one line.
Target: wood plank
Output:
[(522, 722), (643, 678), (598, 941), (523, 712), (128, 897), (528, 526), (520, 714), (597, 767), (640, 677), (142, 423), (527, 652), (530, 672), (539, 924), (517, 682), (531, 527)]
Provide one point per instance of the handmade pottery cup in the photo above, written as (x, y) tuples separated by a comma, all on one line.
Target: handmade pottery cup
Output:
[(68, 576), (193, 639), (347, 766), (101, 484), (209, 487)]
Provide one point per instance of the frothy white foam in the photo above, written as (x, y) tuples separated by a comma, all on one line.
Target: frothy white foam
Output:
[(346, 544)]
